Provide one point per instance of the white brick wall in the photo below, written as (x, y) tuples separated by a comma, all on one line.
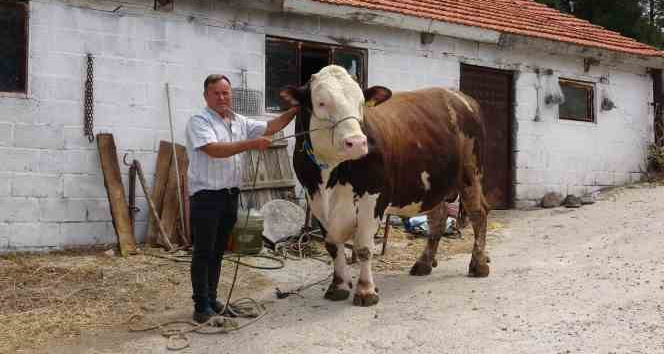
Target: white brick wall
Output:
[(51, 189), (19, 160), (84, 186), (578, 157), (63, 210), (39, 136), (4, 235), (5, 184), (6, 134), (40, 186), (19, 209), (27, 235)]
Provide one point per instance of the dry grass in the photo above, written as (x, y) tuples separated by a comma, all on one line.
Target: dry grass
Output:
[(403, 248), (59, 296)]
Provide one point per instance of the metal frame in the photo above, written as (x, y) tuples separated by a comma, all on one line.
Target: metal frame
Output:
[(589, 87)]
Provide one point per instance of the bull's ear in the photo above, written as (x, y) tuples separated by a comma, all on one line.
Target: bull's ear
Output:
[(376, 95), (293, 96)]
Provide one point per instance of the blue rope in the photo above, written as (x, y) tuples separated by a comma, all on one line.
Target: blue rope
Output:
[(310, 153)]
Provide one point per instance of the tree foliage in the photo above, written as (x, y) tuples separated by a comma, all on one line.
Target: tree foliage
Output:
[(642, 20)]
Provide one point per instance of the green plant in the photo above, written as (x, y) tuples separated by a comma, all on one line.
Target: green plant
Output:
[(655, 158)]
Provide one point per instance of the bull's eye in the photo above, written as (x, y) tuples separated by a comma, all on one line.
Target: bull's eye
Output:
[(321, 104)]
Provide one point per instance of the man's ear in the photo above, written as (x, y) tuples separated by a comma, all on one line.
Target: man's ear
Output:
[(294, 96), (376, 95)]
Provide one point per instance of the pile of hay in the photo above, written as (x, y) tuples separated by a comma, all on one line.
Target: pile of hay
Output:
[(59, 296)]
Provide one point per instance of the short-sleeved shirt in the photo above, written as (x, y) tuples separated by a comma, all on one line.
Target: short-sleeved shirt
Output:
[(206, 172)]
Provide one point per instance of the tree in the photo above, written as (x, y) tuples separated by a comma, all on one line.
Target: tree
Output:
[(639, 19)]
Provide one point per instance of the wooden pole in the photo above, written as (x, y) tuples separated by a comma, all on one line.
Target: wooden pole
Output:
[(153, 210)]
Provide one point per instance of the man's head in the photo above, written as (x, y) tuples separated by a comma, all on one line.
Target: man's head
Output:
[(217, 93)]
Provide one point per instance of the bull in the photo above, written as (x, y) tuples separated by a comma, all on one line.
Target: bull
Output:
[(362, 154)]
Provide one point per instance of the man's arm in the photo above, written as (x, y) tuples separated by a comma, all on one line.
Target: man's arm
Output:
[(221, 150), (280, 122)]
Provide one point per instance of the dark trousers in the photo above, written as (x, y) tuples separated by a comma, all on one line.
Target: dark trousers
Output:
[(213, 215)]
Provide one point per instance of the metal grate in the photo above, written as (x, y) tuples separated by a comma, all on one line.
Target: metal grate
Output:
[(247, 101)]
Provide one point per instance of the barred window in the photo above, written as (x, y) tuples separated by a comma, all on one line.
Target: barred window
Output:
[(292, 62), (14, 44)]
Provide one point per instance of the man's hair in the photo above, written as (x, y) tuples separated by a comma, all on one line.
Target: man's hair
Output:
[(213, 79)]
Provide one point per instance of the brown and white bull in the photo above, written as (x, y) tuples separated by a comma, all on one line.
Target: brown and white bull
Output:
[(371, 153)]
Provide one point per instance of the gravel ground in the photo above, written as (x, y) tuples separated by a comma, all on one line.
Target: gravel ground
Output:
[(588, 280)]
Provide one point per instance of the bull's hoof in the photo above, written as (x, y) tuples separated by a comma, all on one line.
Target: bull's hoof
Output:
[(420, 268), (434, 263), (336, 294), (365, 300), (478, 269)]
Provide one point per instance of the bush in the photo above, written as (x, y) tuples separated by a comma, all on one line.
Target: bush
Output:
[(655, 158)]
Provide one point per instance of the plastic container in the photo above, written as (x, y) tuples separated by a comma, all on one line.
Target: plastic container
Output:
[(246, 240)]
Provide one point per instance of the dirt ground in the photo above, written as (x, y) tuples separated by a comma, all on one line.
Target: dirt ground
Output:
[(588, 280), (70, 297)]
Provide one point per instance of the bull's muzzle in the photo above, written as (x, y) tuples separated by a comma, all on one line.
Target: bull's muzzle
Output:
[(356, 146)]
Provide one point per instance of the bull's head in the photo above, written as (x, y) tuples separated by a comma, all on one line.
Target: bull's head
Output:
[(336, 104)]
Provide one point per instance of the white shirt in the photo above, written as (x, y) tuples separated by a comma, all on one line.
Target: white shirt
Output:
[(207, 127)]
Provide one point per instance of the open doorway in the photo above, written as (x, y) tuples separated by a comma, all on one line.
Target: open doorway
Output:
[(312, 59)]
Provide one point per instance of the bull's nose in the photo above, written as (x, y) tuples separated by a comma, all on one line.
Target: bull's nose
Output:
[(356, 146)]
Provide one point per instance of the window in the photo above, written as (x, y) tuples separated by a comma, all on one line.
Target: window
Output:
[(291, 62), (579, 101), (14, 44)]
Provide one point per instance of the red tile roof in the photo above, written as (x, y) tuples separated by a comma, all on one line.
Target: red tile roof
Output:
[(521, 17)]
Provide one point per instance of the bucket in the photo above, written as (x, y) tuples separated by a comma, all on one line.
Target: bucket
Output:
[(249, 239)]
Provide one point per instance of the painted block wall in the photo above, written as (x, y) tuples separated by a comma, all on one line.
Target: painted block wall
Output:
[(51, 188)]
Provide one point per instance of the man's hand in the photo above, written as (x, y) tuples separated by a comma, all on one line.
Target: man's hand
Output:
[(262, 143), (293, 110), (280, 122)]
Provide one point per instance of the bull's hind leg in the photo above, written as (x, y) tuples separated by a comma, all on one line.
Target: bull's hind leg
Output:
[(436, 219), (341, 284), (477, 209)]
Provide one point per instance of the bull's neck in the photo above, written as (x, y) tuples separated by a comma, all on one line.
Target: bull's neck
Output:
[(305, 143)]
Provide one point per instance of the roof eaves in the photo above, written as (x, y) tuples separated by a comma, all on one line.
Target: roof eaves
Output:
[(466, 28), (392, 19)]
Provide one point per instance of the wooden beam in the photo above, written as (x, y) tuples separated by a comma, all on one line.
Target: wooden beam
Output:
[(116, 196), (171, 209), (158, 189)]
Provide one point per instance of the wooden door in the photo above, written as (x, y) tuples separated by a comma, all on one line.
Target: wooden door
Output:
[(493, 90)]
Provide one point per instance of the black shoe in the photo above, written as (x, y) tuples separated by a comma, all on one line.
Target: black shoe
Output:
[(205, 315), (218, 307)]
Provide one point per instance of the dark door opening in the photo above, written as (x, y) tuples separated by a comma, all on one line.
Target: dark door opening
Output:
[(312, 59), (493, 90)]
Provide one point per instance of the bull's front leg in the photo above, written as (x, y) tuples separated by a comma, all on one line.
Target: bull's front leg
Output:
[(341, 284), (366, 293)]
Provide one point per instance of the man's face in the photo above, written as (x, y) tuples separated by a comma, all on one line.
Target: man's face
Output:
[(218, 96)]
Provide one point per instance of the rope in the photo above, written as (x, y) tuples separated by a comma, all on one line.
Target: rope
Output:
[(178, 338), (187, 259)]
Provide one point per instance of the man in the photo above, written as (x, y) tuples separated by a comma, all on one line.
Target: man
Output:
[(216, 137)]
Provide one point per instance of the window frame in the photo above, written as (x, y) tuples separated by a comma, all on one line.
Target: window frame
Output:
[(22, 92), (589, 87), (332, 48)]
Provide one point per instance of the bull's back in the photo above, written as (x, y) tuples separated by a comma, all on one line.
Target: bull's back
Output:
[(419, 135)]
